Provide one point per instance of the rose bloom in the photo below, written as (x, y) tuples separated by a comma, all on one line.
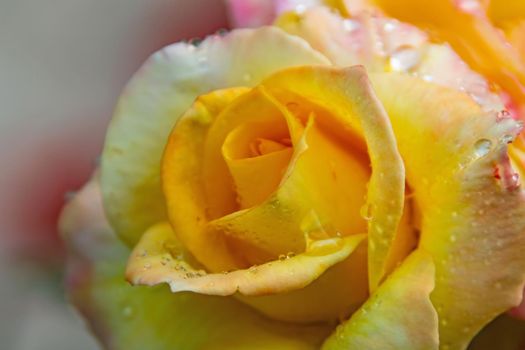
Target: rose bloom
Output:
[(338, 180)]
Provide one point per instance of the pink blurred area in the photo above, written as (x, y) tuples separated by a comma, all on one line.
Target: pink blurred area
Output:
[(63, 64)]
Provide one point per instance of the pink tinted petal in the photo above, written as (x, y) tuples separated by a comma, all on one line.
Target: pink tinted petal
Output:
[(250, 13)]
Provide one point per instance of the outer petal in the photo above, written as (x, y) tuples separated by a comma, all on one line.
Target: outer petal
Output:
[(160, 258), (347, 94), (385, 44), (123, 317), (466, 27), (156, 97), (473, 211), (399, 315)]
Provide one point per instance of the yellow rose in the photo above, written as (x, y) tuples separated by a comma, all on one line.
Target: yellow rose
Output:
[(301, 202)]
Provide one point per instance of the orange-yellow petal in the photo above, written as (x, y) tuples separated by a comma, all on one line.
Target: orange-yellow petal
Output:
[(184, 184), (160, 258), (348, 96)]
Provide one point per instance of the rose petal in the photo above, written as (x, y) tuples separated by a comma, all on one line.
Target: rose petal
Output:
[(325, 179), (348, 96), (157, 96), (399, 315), (385, 44), (465, 26), (473, 211), (159, 258), (123, 317)]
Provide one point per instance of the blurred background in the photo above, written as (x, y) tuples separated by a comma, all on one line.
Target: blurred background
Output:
[(63, 64)]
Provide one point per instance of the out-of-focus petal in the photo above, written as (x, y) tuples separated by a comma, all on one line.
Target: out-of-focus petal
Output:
[(124, 317), (385, 44), (158, 95), (473, 210), (399, 315), (464, 24), (346, 93)]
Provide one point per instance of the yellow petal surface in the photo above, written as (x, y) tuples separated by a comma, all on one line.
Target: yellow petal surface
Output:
[(399, 315), (473, 211), (158, 95), (324, 179), (125, 317), (159, 258), (184, 184), (336, 294), (348, 96)]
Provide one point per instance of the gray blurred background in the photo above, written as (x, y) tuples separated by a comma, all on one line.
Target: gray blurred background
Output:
[(63, 64)]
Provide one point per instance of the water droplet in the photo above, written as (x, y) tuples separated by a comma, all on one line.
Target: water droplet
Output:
[(468, 6), (221, 32), (505, 139), (300, 9), (247, 77), (443, 322), (482, 147), (127, 311), (195, 41), (339, 331), (366, 211), (147, 266), (390, 26), (282, 257), (290, 255), (253, 269), (404, 59), (502, 115), (69, 195), (350, 25)]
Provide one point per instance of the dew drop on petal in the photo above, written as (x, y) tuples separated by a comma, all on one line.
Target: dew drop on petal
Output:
[(350, 25), (127, 311), (482, 147), (404, 59), (247, 77), (366, 211)]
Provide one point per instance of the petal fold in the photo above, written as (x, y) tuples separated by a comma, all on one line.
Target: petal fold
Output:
[(347, 94), (160, 258)]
